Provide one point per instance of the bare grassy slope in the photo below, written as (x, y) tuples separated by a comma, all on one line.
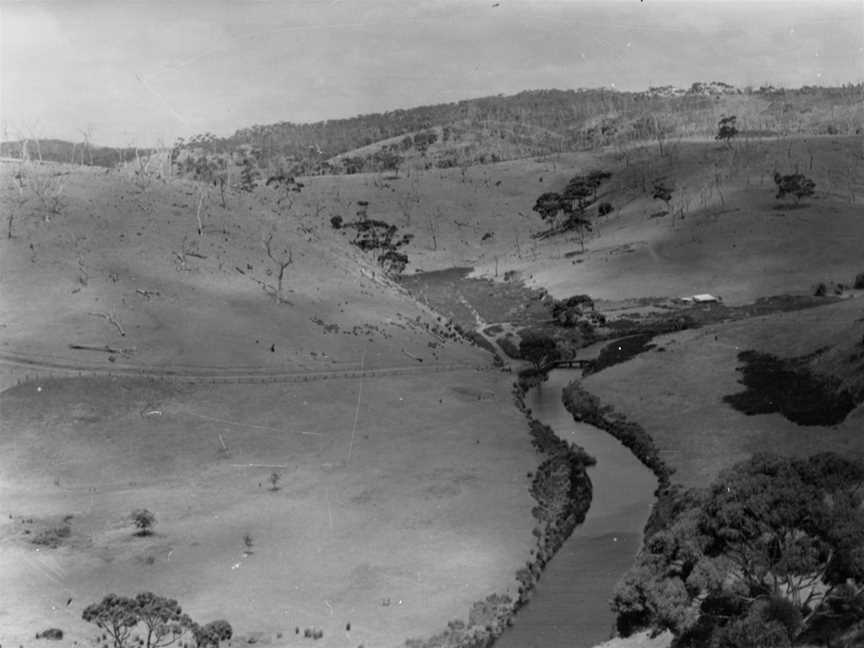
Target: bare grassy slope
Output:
[(408, 512), (734, 240), (676, 394), (116, 247), (419, 497)]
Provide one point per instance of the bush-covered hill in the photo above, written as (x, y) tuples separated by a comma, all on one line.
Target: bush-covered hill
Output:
[(536, 122)]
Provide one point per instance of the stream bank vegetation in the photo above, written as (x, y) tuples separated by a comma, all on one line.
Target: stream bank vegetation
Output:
[(562, 490), (770, 554)]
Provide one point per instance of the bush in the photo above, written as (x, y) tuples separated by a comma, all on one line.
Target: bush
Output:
[(51, 633), (605, 208), (509, 347), (52, 538), (795, 184), (859, 281)]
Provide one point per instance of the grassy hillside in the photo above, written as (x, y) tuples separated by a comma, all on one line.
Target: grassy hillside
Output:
[(142, 273), (127, 248)]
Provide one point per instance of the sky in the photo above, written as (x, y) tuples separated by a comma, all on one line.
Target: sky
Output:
[(143, 72)]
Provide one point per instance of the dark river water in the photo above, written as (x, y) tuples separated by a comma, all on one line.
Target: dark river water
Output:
[(570, 605)]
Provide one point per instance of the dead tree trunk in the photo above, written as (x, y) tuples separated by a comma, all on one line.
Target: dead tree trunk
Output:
[(282, 262)]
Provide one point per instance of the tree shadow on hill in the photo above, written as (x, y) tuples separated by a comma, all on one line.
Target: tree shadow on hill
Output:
[(787, 386)]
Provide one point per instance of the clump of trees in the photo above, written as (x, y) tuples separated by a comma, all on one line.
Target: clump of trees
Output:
[(795, 184), (572, 204), (538, 348), (726, 130), (151, 621), (662, 191), (372, 235), (771, 554)]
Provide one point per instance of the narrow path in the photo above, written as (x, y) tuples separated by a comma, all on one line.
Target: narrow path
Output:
[(32, 367)]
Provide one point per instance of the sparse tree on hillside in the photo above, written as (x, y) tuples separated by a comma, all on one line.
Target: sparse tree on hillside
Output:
[(548, 205), (163, 619), (662, 191), (18, 180), (209, 635), (249, 175), (726, 130), (796, 184), (387, 160), (596, 178), (282, 258), (144, 521), (274, 480), (423, 140), (116, 615)]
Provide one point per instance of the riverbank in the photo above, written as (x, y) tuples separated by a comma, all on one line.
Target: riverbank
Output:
[(563, 492), (587, 408)]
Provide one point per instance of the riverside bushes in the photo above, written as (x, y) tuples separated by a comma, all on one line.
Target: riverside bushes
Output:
[(586, 407), (562, 489)]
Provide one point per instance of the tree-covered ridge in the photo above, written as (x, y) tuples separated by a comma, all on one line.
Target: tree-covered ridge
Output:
[(537, 122), (771, 554)]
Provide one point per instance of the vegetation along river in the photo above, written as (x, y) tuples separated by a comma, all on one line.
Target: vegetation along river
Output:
[(570, 605)]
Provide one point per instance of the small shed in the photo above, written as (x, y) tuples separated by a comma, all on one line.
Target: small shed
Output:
[(705, 298)]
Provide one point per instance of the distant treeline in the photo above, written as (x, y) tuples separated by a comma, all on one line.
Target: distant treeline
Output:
[(559, 120), (55, 150), (490, 129)]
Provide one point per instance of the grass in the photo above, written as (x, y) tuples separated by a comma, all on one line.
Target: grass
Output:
[(418, 491), (434, 495)]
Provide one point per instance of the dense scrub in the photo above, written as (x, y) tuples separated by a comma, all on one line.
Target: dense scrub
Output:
[(768, 555)]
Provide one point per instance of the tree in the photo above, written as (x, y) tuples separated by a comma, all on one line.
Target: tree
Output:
[(282, 259), (662, 192), (596, 178), (144, 521), (248, 542), (211, 634), (726, 130), (796, 184), (548, 205), (577, 193), (249, 175), (538, 348), (116, 615), (387, 160), (163, 619), (274, 480), (771, 552)]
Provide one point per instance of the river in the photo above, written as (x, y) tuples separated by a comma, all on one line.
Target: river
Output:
[(570, 605)]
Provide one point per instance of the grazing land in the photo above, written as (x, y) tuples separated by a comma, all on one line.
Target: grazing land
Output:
[(319, 436)]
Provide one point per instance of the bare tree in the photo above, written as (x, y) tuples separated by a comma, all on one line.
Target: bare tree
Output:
[(282, 259), (18, 179), (85, 144)]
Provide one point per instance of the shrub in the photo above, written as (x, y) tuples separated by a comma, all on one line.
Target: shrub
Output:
[(52, 538), (795, 184), (859, 281), (51, 633), (509, 347), (605, 208), (143, 521)]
